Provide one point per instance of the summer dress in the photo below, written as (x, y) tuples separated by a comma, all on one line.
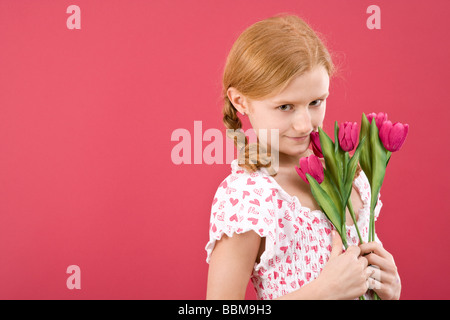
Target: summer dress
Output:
[(298, 240)]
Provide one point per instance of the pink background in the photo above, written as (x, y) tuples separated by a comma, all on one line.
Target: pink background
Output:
[(86, 118)]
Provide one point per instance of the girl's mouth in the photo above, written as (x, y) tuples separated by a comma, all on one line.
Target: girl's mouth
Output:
[(298, 138)]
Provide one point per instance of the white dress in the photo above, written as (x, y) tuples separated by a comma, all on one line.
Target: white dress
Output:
[(298, 240)]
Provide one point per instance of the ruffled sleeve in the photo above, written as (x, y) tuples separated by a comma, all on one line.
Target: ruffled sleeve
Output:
[(242, 202), (378, 206), (362, 183)]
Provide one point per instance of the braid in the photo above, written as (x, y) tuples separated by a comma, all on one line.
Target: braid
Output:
[(251, 156), (230, 118)]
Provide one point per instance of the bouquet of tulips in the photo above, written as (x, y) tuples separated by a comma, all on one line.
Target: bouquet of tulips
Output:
[(332, 186)]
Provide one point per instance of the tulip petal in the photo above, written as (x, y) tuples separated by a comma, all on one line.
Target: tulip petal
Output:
[(398, 135), (311, 165), (304, 164), (348, 135), (316, 168), (348, 138), (370, 116), (385, 133), (380, 119), (354, 134), (303, 168), (301, 174), (315, 141)]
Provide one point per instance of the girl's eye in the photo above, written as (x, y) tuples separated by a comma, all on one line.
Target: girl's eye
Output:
[(316, 103), (285, 107)]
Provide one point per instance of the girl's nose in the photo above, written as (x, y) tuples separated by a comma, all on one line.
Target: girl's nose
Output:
[(301, 122)]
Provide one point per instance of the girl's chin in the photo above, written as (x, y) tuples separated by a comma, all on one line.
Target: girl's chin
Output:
[(294, 148), (296, 152)]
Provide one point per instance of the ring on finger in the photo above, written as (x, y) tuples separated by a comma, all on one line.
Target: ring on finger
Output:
[(368, 284)]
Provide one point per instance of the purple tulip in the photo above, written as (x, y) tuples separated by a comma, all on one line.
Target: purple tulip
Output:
[(315, 141), (380, 118), (393, 135), (311, 165), (348, 135)]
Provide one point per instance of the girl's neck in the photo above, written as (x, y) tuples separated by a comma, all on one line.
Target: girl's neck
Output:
[(289, 161)]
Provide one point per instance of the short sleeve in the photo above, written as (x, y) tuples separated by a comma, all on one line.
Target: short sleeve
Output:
[(378, 207), (242, 202), (363, 185)]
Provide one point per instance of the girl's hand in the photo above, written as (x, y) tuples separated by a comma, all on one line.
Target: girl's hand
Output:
[(345, 274), (384, 279)]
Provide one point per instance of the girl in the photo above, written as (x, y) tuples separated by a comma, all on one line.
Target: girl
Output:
[(265, 224)]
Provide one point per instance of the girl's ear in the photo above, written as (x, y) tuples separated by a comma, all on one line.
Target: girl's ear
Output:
[(237, 100)]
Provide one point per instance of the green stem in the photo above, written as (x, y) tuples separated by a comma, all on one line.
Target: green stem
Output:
[(352, 213), (344, 239), (372, 226), (372, 238)]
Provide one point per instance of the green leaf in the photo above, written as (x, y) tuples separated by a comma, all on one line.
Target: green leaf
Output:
[(346, 163), (336, 137), (339, 153), (388, 157), (331, 189), (378, 157), (328, 207), (351, 170), (365, 157), (341, 158), (330, 157)]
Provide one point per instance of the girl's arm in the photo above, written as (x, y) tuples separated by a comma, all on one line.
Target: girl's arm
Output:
[(231, 265)]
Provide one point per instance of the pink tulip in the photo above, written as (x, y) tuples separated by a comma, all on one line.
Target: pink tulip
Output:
[(315, 141), (380, 118), (393, 135), (348, 135), (311, 165)]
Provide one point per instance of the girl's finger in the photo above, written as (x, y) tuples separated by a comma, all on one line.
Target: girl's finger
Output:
[(374, 284), (376, 248), (380, 262), (336, 244), (380, 276)]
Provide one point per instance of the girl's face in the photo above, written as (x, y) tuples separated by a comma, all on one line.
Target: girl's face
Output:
[(296, 111)]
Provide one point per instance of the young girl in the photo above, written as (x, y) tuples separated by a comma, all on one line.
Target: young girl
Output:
[(266, 225)]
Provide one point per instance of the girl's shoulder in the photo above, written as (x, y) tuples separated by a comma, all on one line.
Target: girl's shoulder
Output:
[(243, 201), (241, 185)]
